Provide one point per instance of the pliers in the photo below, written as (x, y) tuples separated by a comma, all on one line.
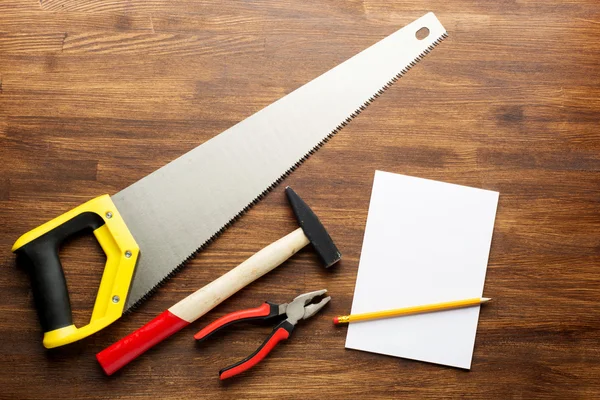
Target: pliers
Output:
[(300, 308)]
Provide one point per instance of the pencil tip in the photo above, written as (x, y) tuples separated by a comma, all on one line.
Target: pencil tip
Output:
[(485, 299)]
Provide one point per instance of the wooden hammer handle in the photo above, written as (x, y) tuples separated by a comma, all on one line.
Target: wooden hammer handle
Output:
[(203, 300), (200, 302)]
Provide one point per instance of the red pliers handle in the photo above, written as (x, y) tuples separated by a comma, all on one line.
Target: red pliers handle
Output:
[(266, 311), (281, 332), (302, 307)]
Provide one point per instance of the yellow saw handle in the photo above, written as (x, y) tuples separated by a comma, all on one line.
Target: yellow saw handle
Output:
[(38, 251)]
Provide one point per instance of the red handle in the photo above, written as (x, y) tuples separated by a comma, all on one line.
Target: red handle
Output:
[(281, 332), (131, 346), (251, 313)]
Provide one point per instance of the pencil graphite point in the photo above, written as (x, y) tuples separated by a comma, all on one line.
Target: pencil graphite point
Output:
[(485, 299)]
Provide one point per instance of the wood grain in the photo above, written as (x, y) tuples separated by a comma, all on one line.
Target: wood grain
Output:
[(96, 94)]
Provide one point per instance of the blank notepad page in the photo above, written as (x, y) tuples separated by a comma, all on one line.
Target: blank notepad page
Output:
[(425, 242)]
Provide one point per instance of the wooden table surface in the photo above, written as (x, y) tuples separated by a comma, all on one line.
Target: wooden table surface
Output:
[(95, 94)]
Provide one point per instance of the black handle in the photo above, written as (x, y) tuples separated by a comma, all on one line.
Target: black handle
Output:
[(266, 312), (281, 332), (41, 258)]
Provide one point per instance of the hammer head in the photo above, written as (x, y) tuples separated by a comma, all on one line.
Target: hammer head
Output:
[(313, 229)]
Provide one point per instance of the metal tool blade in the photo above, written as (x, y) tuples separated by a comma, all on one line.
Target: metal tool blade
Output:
[(178, 209)]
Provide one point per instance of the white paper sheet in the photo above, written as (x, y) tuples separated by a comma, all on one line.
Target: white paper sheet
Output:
[(425, 242)]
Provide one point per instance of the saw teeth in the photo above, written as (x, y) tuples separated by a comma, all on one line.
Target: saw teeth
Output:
[(290, 170)]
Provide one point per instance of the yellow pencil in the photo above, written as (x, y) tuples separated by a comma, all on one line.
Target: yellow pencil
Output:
[(449, 305)]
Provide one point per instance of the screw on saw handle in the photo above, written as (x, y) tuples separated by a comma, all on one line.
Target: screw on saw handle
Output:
[(38, 250)]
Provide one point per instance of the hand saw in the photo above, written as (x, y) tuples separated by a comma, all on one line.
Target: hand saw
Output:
[(155, 225)]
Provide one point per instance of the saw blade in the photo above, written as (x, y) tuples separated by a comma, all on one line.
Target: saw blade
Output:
[(177, 210)]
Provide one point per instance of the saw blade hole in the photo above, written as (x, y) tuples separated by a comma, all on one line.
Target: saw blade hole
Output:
[(422, 33)]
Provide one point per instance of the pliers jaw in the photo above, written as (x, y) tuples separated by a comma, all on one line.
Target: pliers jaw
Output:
[(299, 308)]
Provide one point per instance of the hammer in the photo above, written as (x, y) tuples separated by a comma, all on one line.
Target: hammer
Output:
[(205, 299)]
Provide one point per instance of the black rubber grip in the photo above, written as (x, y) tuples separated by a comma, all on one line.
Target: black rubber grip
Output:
[(41, 258), (284, 325), (272, 315)]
